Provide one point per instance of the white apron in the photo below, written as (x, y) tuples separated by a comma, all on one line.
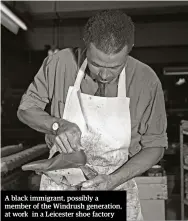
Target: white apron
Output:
[(105, 124)]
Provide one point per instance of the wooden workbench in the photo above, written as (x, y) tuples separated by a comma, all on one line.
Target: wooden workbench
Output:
[(152, 193)]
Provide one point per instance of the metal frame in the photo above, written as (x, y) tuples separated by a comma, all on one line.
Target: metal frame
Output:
[(183, 167)]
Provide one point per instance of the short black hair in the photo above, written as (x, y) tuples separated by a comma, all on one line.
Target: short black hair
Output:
[(109, 31)]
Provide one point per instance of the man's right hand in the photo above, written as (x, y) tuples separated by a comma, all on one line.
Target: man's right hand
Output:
[(68, 137)]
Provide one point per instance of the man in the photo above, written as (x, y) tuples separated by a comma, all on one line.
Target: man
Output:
[(130, 113)]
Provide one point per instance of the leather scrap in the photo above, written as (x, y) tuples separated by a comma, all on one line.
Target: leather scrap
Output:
[(61, 161)]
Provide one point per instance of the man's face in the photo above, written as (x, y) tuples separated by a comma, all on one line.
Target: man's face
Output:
[(105, 68)]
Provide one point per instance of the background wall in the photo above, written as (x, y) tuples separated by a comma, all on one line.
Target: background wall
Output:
[(146, 35)]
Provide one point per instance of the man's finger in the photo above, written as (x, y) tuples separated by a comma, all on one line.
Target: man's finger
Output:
[(89, 188), (75, 143), (79, 146), (60, 145), (38, 173), (66, 143), (70, 139), (97, 180)]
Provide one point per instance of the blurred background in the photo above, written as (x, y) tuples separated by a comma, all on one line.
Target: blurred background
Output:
[(161, 41)]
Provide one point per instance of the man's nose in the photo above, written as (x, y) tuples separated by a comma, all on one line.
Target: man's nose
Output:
[(103, 74)]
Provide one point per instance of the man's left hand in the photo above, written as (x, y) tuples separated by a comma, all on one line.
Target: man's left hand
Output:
[(100, 182)]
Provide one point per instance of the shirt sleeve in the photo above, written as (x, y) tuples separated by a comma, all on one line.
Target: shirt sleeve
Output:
[(154, 122), (37, 94)]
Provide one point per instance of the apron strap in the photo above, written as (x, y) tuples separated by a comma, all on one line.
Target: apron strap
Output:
[(122, 84), (80, 75)]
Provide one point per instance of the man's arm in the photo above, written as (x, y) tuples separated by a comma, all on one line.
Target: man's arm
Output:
[(137, 165), (31, 110), (153, 142), (37, 119)]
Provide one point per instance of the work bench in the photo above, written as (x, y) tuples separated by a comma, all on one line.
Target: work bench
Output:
[(152, 190)]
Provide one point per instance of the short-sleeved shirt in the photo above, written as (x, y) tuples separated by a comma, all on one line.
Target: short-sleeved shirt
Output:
[(147, 106)]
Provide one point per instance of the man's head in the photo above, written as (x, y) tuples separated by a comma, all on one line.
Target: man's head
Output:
[(109, 37)]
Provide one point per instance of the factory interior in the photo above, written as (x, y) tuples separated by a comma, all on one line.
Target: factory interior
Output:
[(161, 41)]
